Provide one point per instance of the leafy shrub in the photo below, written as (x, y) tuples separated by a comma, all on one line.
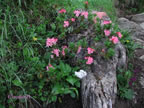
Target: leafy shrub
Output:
[(24, 56)]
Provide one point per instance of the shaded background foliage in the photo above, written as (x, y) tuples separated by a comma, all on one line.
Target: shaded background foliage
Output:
[(22, 59)]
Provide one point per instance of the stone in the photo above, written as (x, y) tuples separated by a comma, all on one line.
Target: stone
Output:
[(135, 30), (142, 80), (142, 57), (142, 25), (138, 18), (131, 26)]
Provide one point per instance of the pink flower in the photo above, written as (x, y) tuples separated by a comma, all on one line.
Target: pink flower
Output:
[(49, 66), (79, 49), (62, 11), (114, 39), (56, 52), (119, 34), (73, 19), (63, 50), (86, 2), (77, 12), (100, 15), (90, 50), (106, 22), (51, 41), (89, 60), (85, 14), (107, 32), (66, 24), (103, 50)]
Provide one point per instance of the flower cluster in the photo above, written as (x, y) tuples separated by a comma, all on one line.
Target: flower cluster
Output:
[(49, 66), (51, 41), (114, 38), (77, 14), (62, 11), (79, 49), (89, 60), (66, 23), (107, 33), (90, 50)]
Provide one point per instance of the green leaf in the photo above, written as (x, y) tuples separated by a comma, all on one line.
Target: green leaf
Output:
[(71, 45), (110, 52), (67, 91), (1, 106), (71, 80), (17, 83), (76, 91), (72, 94), (77, 84), (67, 68), (54, 98), (128, 74), (43, 99), (56, 89), (129, 94), (53, 26)]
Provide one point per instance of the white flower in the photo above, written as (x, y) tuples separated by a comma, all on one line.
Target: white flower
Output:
[(81, 74)]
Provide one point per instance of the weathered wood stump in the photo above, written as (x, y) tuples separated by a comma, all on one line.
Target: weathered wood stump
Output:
[(99, 87)]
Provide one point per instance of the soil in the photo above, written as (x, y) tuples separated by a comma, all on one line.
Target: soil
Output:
[(67, 102)]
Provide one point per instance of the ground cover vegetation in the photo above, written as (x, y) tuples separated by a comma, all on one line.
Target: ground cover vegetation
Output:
[(35, 58)]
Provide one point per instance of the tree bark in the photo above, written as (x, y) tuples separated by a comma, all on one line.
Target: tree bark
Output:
[(99, 87)]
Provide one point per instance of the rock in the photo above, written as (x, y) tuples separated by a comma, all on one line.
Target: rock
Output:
[(138, 18), (125, 3), (142, 80), (135, 30), (131, 26), (135, 26), (142, 25), (142, 57)]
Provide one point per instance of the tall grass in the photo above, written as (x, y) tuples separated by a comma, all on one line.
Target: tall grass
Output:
[(98, 5), (21, 58)]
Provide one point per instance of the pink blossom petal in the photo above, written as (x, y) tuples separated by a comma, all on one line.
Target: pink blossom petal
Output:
[(63, 50), (89, 60), (79, 49), (73, 19), (114, 39), (107, 32), (85, 14), (107, 22), (119, 34), (51, 41), (62, 11), (66, 23), (56, 52), (90, 50), (77, 13)]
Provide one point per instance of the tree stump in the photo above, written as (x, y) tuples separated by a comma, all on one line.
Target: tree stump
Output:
[(99, 87)]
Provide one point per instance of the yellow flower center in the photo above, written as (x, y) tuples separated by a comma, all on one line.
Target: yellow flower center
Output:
[(34, 38), (127, 41)]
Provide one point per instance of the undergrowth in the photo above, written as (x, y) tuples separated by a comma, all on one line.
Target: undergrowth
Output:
[(24, 27)]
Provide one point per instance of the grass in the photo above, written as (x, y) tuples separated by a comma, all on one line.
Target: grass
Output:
[(98, 5), (22, 59)]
